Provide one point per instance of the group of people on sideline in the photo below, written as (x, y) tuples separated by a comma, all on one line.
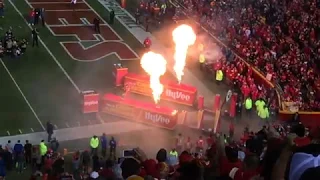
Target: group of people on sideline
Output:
[(11, 46)]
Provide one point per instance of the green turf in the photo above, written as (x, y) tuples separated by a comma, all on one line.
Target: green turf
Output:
[(15, 113), (48, 90), (45, 86)]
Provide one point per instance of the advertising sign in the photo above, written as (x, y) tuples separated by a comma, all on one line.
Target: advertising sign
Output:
[(139, 111), (90, 103), (178, 93)]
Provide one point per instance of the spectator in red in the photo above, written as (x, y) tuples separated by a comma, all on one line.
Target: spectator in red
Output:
[(249, 171), (228, 158), (210, 140), (48, 162), (301, 139), (31, 17), (107, 171)]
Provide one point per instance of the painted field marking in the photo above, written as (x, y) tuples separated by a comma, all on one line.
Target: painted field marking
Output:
[(32, 130), (100, 17), (54, 2), (85, 21), (63, 21), (67, 125), (45, 46), (8, 133), (67, 10), (20, 131), (24, 97)]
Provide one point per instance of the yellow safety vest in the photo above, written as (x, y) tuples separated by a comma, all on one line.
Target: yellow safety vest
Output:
[(259, 104), (264, 113), (248, 103), (94, 142), (202, 59), (43, 149), (163, 6), (174, 153), (219, 75)]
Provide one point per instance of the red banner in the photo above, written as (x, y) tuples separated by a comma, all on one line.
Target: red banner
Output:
[(118, 74), (178, 93), (141, 112), (90, 103)]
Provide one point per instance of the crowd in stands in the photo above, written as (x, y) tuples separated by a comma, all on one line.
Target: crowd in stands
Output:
[(10, 46), (272, 153), (279, 38)]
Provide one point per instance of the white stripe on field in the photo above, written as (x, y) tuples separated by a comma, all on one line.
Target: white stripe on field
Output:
[(24, 97)]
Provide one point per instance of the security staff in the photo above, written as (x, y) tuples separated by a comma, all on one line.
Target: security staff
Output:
[(264, 114), (96, 23), (111, 15), (43, 148), (219, 76), (202, 61), (35, 37), (163, 8), (173, 158), (259, 104), (94, 144), (248, 105)]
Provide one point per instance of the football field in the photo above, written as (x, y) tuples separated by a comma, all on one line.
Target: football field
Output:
[(44, 83)]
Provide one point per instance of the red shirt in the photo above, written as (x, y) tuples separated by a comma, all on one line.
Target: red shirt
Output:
[(302, 141), (226, 166), (245, 175), (32, 14), (210, 141), (200, 143), (48, 163), (106, 173)]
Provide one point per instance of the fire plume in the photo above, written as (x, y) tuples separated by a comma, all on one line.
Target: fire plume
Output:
[(155, 65), (183, 37)]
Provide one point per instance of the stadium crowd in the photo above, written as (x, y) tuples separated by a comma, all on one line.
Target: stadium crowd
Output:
[(271, 153), (280, 38)]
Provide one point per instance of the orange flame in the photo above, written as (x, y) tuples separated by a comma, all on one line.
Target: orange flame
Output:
[(155, 65), (183, 37)]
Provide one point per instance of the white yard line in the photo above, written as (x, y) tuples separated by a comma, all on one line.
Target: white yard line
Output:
[(24, 97), (64, 10), (54, 2), (44, 45)]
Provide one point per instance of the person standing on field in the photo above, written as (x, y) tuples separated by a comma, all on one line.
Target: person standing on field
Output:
[(111, 15), (104, 144), (49, 130), (94, 144), (1, 9), (35, 37)]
